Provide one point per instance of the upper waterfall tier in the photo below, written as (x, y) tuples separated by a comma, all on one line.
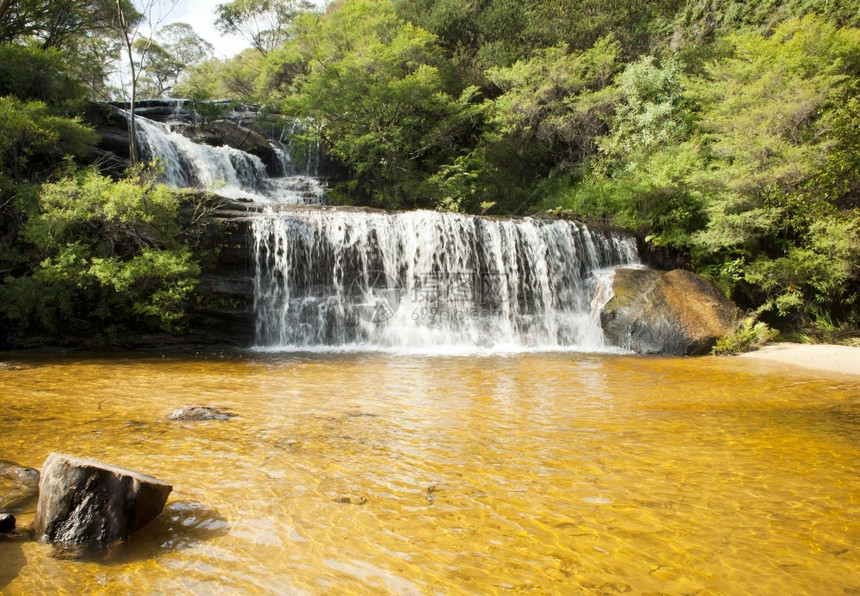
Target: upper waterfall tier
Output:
[(227, 171), (430, 281)]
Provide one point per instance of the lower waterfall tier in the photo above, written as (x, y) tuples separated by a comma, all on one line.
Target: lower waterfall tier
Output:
[(429, 281)]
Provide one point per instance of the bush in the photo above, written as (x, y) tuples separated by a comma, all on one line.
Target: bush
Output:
[(34, 136), (108, 261), (750, 336)]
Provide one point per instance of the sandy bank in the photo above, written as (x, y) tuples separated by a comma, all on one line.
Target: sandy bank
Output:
[(825, 358)]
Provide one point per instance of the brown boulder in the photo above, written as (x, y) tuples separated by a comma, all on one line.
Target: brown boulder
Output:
[(83, 501), (671, 313)]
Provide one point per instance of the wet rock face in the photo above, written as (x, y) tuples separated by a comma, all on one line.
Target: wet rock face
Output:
[(111, 124), (671, 313), (226, 132), (83, 501)]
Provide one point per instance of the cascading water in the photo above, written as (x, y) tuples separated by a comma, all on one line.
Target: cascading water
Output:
[(429, 281), (230, 172), (422, 281)]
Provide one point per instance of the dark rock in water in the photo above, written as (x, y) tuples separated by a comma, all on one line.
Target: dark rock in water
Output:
[(671, 313), (18, 486), (83, 501), (7, 523), (226, 132), (351, 499), (193, 413)]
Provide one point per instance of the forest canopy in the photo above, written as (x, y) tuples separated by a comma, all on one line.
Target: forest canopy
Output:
[(724, 133)]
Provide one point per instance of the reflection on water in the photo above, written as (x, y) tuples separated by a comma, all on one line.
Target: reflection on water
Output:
[(530, 473)]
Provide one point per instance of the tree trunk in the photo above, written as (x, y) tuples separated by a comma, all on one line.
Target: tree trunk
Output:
[(132, 124), (4, 7)]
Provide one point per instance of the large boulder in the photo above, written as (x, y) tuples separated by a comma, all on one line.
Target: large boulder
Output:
[(83, 501), (672, 313)]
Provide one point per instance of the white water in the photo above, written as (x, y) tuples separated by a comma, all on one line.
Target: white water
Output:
[(416, 282), (226, 171), (430, 282)]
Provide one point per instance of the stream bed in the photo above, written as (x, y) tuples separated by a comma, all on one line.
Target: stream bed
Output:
[(374, 473)]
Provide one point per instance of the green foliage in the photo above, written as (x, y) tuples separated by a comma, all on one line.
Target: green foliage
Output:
[(265, 24), (176, 49), (33, 73), (816, 275), (749, 164), (748, 337), (699, 21), (641, 178), (553, 98), (478, 36), (653, 111), (59, 24), (234, 78), (375, 90), (35, 137), (109, 260), (769, 117), (549, 113)]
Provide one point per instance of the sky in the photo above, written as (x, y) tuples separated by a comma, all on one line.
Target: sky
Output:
[(200, 14)]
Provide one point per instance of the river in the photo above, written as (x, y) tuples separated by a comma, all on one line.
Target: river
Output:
[(375, 473)]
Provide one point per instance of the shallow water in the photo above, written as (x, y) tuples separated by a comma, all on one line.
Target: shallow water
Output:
[(384, 474)]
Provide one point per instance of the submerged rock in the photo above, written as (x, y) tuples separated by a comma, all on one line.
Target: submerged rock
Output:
[(351, 499), (671, 313), (18, 486), (83, 501), (193, 413)]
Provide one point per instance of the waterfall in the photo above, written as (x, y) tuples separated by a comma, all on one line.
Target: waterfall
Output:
[(344, 278), (429, 281), (227, 171)]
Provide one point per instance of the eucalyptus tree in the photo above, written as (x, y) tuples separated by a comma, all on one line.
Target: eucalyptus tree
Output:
[(176, 47), (265, 24), (55, 23)]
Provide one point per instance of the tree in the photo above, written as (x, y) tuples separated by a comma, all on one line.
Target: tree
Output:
[(548, 113), (176, 48), (131, 30), (779, 116), (749, 166), (375, 91), (553, 100), (57, 23), (265, 24)]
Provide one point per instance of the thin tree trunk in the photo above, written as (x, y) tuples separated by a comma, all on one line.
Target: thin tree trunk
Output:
[(4, 6), (132, 123)]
